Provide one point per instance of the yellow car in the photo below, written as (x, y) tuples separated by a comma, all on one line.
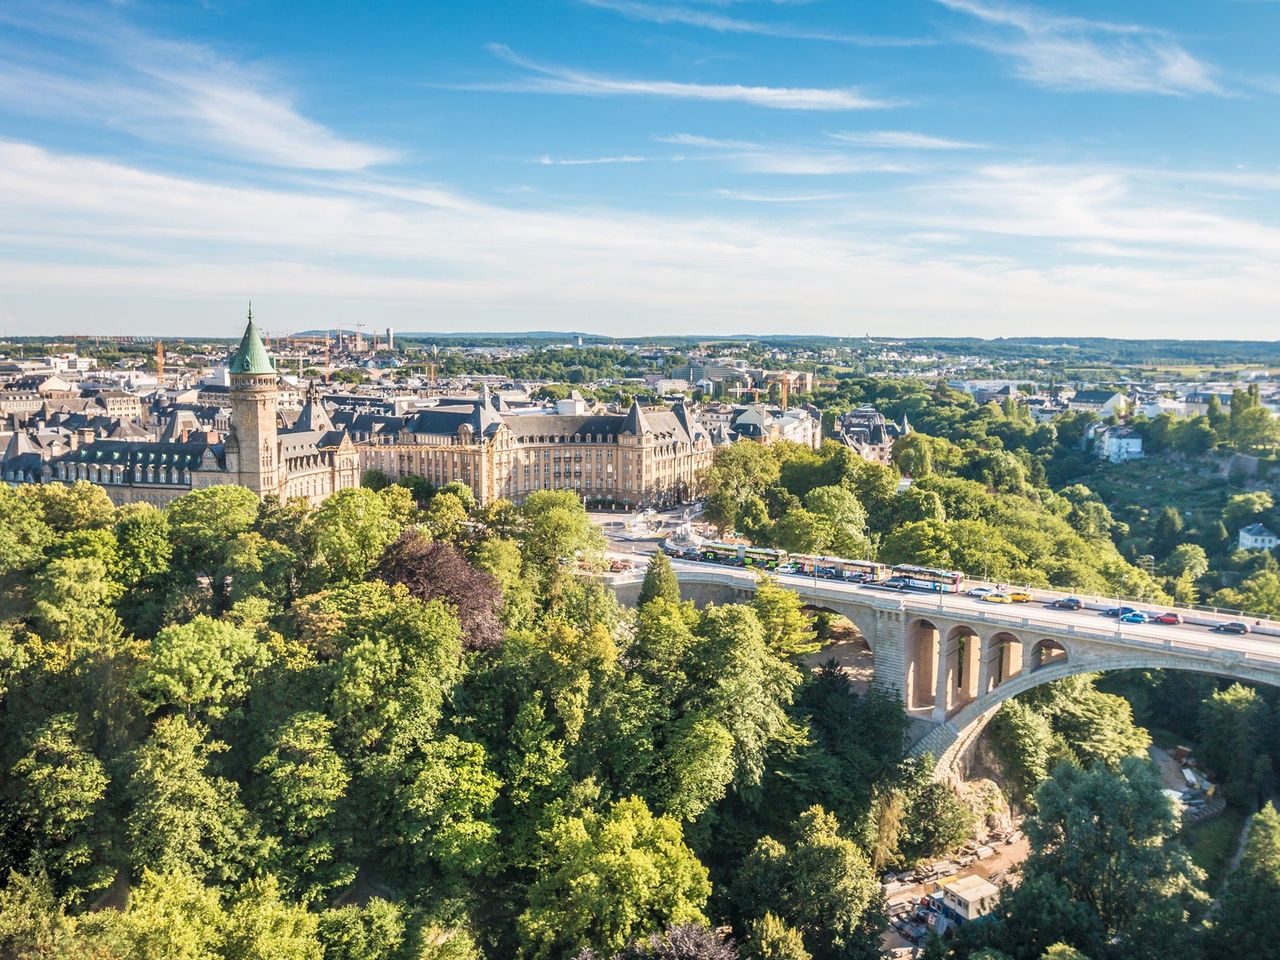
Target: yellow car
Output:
[(1020, 596), (997, 598)]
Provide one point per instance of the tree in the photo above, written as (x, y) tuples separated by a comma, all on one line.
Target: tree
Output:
[(202, 667), (144, 543), (352, 529), (1166, 533), (372, 932), (557, 528), (71, 600), (446, 516), (1259, 594), (844, 518), (70, 507), (1246, 923), (1060, 951), (1187, 560), (659, 581), (55, 797), (261, 926), (203, 522), (686, 941), (799, 531), (446, 807), (822, 885), (788, 629), (300, 782), (769, 938), (437, 571), (171, 915), (181, 817), (608, 877), (738, 682), (1243, 508), (1233, 723), (1106, 874)]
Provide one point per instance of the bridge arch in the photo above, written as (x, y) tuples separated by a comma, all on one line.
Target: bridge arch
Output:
[(1003, 658), (923, 640), (851, 644), (948, 742), (962, 664), (1047, 652)]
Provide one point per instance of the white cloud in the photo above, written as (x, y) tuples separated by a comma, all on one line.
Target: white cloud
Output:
[(547, 160), (119, 248), (553, 79), (1073, 53), (690, 16), (904, 139), (163, 91), (710, 143)]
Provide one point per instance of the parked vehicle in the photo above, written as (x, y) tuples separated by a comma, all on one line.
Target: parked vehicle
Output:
[(1167, 617), (979, 591), (1233, 626), (997, 598), (1068, 603), (1134, 616)]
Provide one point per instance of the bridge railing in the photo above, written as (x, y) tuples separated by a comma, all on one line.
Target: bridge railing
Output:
[(824, 590)]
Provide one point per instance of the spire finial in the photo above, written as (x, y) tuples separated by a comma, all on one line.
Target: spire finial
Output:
[(251, 311)]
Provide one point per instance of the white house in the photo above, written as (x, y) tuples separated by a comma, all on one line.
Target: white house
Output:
[(1257, 537), (1153, 408), (1118, 444), (1102, 402)]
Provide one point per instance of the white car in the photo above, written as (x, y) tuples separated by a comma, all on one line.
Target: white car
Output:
[(980, 591)]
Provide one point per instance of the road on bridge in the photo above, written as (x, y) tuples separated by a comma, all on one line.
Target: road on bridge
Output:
[(1263, 643)]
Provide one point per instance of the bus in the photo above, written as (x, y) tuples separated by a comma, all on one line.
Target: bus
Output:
[(837, 568), (730, 553), (763, 557), (927, 578)]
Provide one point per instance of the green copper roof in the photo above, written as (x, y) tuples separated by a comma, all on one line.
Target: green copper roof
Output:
[(252, 355)]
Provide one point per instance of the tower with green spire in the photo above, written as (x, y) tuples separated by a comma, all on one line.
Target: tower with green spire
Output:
[(252, 448)]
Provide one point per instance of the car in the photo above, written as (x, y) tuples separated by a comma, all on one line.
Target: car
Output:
[(1121, 611), (1232, 626), (1068, 603), (1020, 596), (1133, 616), (980, 591), (997, 598), (1167, 617), (896, 583)]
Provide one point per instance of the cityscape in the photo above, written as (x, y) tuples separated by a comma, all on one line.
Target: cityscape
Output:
[(620, 480)]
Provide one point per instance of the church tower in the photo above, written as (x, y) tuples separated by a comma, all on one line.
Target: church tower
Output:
[(252, 447)]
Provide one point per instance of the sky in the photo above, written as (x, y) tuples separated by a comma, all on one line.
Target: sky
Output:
[(694, 167)]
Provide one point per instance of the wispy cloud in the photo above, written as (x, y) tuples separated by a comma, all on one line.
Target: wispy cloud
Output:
[(1073, 53), (555, 79), (546, 160), (903, 139), (755, 197), (710, 143), (721, 23), (426, 252), (163, 91)]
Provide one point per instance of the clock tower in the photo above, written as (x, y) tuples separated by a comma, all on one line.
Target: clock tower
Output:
[(252, 448)]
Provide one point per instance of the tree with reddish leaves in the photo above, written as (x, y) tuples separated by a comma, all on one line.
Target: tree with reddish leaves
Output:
[(434, 571)]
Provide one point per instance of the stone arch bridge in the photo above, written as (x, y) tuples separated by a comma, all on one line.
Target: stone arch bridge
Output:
[(954, 659)]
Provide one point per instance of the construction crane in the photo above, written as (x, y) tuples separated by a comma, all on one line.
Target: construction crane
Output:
[(160, 364)]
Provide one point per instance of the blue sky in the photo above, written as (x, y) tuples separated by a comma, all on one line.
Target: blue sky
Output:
[(900, 167)]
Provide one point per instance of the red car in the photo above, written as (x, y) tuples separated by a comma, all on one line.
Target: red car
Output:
[(1167, 618)]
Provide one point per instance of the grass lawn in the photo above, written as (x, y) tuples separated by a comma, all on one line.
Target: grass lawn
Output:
[(1213, 843)]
